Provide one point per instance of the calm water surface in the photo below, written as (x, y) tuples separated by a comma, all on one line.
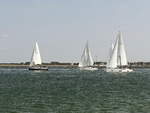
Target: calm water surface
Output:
[(68, 90)]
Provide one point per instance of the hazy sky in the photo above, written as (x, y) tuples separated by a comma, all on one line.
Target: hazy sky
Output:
[(62, 28)]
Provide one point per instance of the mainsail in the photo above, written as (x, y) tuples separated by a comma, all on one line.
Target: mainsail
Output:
[(122, 58), (36, 58), (112, 63), (118, 55), (86, 58)]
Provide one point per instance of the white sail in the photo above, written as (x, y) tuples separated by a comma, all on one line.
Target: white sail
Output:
[(112, 63), (112, 46), (36, 58), (86, 58), (111, 50), (122, 58), (118, 57)]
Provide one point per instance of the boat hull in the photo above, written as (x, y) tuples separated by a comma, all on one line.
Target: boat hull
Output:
[(88, 68), (38, 68), (118, 70)]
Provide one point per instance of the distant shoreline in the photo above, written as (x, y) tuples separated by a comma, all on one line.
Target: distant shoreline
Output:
[(74, 65)]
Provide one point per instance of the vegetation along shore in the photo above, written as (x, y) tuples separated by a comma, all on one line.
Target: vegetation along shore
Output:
[(62, 64)]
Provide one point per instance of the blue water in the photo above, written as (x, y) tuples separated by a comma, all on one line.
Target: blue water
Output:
[(69, 90)]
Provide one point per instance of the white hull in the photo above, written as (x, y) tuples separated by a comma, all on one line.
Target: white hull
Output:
[(38, 68), (118, 70), (88, 68)]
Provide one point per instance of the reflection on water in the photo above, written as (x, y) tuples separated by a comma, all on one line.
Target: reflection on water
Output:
[(68, 90)]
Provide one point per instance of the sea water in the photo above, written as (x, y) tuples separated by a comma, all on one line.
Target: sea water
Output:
[(69, 90)]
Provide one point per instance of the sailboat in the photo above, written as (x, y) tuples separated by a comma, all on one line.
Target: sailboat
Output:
[(86, 62), (36, 61), (118, 59)]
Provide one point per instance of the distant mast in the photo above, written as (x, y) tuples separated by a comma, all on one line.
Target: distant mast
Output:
[(36, 57)]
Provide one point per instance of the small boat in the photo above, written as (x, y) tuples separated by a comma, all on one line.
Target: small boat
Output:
[(86, 62), (36, 61), (118, 59)]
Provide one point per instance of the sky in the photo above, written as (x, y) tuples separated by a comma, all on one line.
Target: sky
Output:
[(62, 27)]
